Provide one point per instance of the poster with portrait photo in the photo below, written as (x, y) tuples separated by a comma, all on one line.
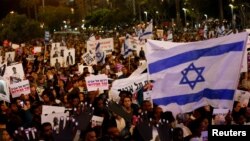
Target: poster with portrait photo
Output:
[(4, 91), (10, 57), (57, 62), (55, 54), (69, 57), (14, 73), (55, 46)]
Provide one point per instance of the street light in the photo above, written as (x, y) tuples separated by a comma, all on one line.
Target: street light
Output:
[(185, 14), (146, 13), (205, 16), (232, 12), (12, 12)]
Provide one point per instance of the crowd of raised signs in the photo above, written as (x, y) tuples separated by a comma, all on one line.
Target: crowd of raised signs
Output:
[(53, 103)]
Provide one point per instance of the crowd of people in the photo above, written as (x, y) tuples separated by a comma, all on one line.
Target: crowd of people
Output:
[(129, 119)]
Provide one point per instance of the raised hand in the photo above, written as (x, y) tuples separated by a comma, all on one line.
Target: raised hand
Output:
[(144, 126), (67, 132), (29, 134), (83, 115)]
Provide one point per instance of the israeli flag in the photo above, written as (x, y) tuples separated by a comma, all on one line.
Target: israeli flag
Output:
[(126, 51), (192, 75), (148, 32), (100, 54), (92, 37)]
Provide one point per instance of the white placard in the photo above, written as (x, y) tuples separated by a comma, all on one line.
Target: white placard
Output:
[(52, 109), (95, 82), (54, 118), (22, 87), (81, 67), (242, 97), (106, 45), (4, 91), (89, 58), (14, 73), (69, 57), (37, 49), (131, 84), (10, 57), (96, 121), (15, 46), (219, 116)]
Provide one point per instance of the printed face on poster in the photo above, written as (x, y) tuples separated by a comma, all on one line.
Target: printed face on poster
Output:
[(57, 62), (55, 118), (55, 46), (4, 91), (69, 57), (81, 67), (14, 73), (9, 57)]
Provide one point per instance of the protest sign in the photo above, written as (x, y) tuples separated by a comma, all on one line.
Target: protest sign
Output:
[(54, 119), (89, 58), (106, 45), (219, 116), (97, 82), (242, 97), (96, 121), (81, 67), (37, 49), (19, 88), (52, 109), (14, 73), (132, 84), (4, 91)]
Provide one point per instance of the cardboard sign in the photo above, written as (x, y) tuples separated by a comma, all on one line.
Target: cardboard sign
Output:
[(22, 87), (96, 82)]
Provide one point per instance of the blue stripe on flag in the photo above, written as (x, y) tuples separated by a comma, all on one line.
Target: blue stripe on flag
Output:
[(222, 94), (193, 55)]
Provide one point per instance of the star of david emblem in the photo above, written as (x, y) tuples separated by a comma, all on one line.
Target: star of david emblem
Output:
[(192, 71), (98, 55)]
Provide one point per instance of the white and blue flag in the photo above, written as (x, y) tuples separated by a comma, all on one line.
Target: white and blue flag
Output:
[(192, 75), (148, 32), (100, 54), (126, 50)]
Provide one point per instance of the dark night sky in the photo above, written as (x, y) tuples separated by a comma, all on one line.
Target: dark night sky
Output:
[(8, 5)]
